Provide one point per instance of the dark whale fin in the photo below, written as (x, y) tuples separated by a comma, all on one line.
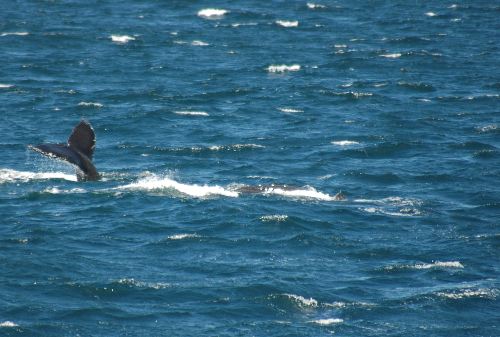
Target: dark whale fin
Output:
[(78, 151), (61, 151), (83, 139)]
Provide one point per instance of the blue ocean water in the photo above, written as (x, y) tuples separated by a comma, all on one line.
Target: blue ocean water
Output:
[(224, 131)]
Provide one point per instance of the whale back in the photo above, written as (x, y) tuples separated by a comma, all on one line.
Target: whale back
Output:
[(82, 139)]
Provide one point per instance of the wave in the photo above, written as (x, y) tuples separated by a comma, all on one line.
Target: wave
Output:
[(345, 142), (140, 284), (199, 43), (15, 33), (283, 68), (290, 110), (212, 13), (155, 183), (274, 218), (90, 104), (328, 321), (8, 324), (56, 190), (302, 301), (122, 38), (311, 5), (287, 24), (431, 14), (420, 266), (183, 236), (391, 56), (468, 293), (5, 86), (300, 193), (191, 113), (8, 175)]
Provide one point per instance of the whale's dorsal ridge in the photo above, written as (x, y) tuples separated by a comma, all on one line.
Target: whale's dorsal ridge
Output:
[(83, 139)]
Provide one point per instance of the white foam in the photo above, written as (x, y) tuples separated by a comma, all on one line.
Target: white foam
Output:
[(395, 201), (236, 147), (15, 33), (287, 24), (235, 25), (488, 128), (328, 321), (274, 218), (212, 13), (56, 190), (8, 324), (7, 175), (122, 38), (345, 142), (191, 113), (290, 110), (91, 104), (405, 212), (155, 183), (307, 193), (5, 86), (466, 293), (311, 5), (431, 14), (340, 46), (391, 56), (282, 68), (302, 301), (439, 264), (140, 284), (183, 236), (199, 43)]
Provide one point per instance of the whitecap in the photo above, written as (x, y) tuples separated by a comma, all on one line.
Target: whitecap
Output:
[(90, 104), (439, 264), (56, 190), (155, 183), (140, 284), (235, 147), (302, 301), (287, 24), (282, 68), (8, 324), (345, 142), (236, 25), (290, 110), (311, 5), (191, 113), (467, 293), (15, 33), (328, 321), (391, 56), (7, 175), (305, 193), (182, 236), (199, 43), (274, 218), (212, 13), (431, 14), (488, 128), (340, 46), (5, 86), (122, 38)]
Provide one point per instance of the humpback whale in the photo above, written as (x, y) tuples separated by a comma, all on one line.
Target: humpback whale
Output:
[(78, 151)]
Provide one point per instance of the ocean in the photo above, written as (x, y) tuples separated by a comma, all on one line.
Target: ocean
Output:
[(269, 168)]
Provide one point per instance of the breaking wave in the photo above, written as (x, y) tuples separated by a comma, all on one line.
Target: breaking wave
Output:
[(8, 175)]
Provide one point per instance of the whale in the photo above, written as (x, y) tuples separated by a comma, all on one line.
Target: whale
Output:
[(78, 151)]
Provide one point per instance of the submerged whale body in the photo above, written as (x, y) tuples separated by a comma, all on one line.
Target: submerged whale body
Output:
[(78, 151)]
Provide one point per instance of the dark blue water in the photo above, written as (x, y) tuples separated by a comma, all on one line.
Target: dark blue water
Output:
[(200, 121)]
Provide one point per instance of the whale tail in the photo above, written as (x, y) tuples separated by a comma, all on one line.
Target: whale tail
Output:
[(78, 151)]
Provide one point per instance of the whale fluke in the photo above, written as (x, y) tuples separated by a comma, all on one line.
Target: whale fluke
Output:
[(78, 151)]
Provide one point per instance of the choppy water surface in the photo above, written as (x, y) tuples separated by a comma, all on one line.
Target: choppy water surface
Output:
[(224, 132)]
